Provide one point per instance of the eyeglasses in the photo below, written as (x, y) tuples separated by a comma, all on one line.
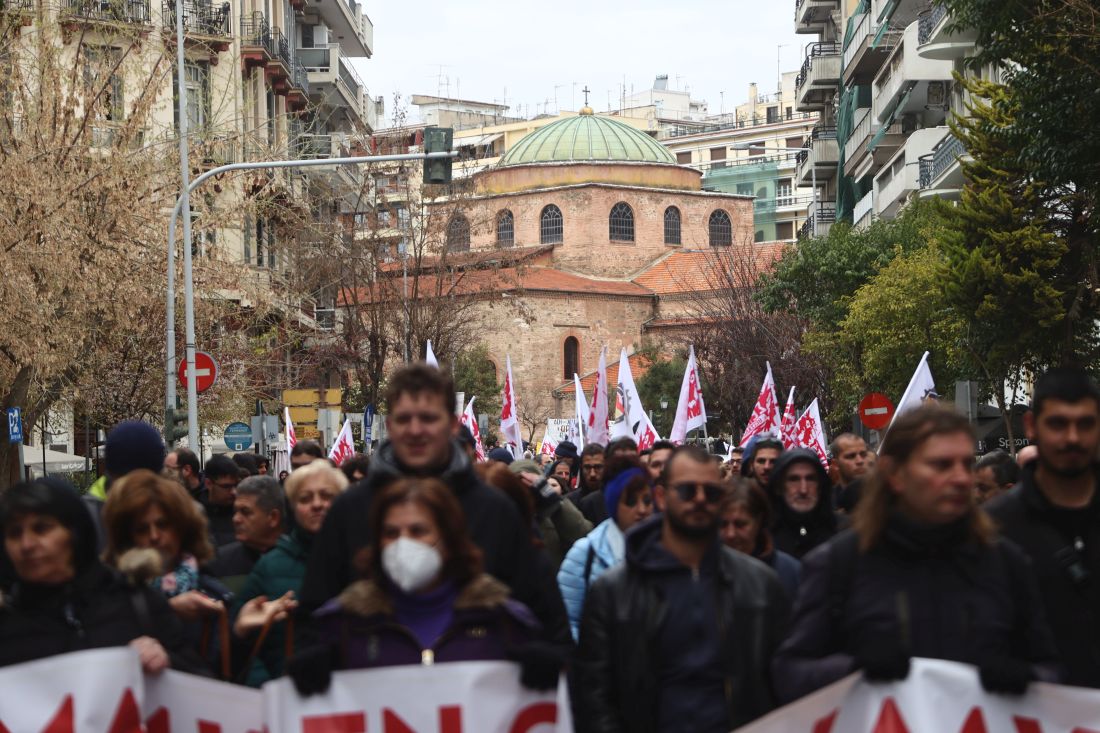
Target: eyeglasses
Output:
[(633, 502), (226, 485), (688, 491)]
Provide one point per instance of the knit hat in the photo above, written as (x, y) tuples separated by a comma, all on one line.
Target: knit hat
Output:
[(501, 454), (566, 449), (613, 491), (524, 466), (133, 444)]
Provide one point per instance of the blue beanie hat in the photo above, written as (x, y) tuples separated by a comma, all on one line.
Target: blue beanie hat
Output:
[(133, 444), (501, 454), (614, 489)]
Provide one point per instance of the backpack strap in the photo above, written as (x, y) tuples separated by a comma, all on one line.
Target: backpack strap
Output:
[(588, 560)]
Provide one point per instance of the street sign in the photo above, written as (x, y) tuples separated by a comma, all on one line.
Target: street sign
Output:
[(206, 371), (368, 424), (238, 436), (875, 410), (15, 425)]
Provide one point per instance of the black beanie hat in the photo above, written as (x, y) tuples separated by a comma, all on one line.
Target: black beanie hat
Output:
[(133, 444)]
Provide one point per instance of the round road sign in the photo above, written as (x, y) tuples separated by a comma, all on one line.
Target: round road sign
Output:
[(238, 436), (206, 371), (875, 410)]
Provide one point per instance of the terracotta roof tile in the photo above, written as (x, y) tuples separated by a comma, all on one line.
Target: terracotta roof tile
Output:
[(639, 365), (688, 271)]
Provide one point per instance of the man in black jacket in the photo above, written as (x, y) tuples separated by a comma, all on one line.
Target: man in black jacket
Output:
[(1054, 515), (421, 423), (802, 502), (680, 636)]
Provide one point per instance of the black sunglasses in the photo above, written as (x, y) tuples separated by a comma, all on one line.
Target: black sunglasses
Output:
[(687, 491)]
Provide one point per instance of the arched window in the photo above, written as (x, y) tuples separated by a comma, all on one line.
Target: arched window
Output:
[(458, 234), (550, 225), (571, 358), (672, 225), (621, 222), (506, 229), (721, 229)]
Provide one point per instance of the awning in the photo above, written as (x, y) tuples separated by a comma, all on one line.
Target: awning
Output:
[(477, 141), (56, 461)]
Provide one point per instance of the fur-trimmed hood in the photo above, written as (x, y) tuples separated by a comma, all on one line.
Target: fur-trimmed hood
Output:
[(369, 598)]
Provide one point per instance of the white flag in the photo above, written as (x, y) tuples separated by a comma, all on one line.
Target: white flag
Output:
[(509, 414), (631, 420), (691, 414), (921, 386), (582, 411), (469, 419), (291, 437), (810, 433), (429, 357), (597, 416), (789, 428), (765, 415), (344, 447)]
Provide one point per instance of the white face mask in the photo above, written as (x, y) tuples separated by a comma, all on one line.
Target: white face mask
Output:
[(412, 565)]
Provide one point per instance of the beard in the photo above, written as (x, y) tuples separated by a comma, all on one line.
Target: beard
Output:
[(1073, 470), (691, 531)]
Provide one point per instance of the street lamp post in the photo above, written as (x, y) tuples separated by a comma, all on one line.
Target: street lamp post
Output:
[(813, 173), (189, 291)]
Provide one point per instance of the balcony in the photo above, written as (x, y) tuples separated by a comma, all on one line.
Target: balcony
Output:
[(297, 95), (215, 149), (22, 8), (344, 182), (941, 171), (911, 83), (864, 210), (936, 43), (334, 83), (257, 47), (819, 162), (819, 77), (810, 16), (280, 67), (352, 29), (818, 226), (900, 177), (867, 50), (869, 145), (107, 11), (203, 23)]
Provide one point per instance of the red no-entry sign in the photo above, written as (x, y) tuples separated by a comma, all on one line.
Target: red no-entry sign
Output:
[(875, 410), (206, 371)]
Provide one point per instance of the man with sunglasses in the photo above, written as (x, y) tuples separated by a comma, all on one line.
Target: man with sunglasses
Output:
[(680, 636)]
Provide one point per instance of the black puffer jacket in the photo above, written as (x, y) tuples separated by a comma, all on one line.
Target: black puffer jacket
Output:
[(796, 533), (492, 520), (933, 591), (617, 665), (1064, 546)]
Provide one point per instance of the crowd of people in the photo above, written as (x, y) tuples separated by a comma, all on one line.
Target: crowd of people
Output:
[(676, 589)]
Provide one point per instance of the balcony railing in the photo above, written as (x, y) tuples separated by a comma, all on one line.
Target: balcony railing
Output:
[(946, 153), (115, 11), (256, 33), (202, 18), (280, 47), (299, 77), (313, 146), (813, 226), (16, 5), (928, 21), (814, 51), (349, 77), (752, 121)]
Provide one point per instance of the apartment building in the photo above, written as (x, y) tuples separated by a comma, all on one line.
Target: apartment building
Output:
[(881, 74)]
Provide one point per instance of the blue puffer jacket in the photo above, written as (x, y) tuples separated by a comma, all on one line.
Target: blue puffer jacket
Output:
[(589, 556)]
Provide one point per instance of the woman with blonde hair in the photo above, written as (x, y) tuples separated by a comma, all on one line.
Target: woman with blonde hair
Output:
[(921, 573), (277, 576)]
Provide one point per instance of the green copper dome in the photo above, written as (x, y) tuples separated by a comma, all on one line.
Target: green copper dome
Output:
[(587, 138)]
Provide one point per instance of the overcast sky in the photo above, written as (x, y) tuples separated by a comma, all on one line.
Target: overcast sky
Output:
[(484, 49)]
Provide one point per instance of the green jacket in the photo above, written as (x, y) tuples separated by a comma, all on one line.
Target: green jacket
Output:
[(560, 530), (278, 571)]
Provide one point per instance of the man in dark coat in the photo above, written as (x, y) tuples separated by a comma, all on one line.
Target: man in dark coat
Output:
[(679, 636), (802, 500), (1054, 515), (421, 423)]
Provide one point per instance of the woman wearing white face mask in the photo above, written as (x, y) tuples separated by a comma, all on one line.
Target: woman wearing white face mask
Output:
[(425, 599)]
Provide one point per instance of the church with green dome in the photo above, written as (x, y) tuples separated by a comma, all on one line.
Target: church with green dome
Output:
[(605, 241)]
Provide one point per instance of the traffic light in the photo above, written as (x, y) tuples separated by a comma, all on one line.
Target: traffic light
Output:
[(438, 140), (175, 424)]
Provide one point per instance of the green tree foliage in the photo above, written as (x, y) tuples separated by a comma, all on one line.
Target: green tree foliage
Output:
[(476, 376), (662, 382), (894, 318), (815, 279)]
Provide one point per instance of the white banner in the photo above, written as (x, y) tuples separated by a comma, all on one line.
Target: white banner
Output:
[(103, 691), (458, 697), (937, 697)]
